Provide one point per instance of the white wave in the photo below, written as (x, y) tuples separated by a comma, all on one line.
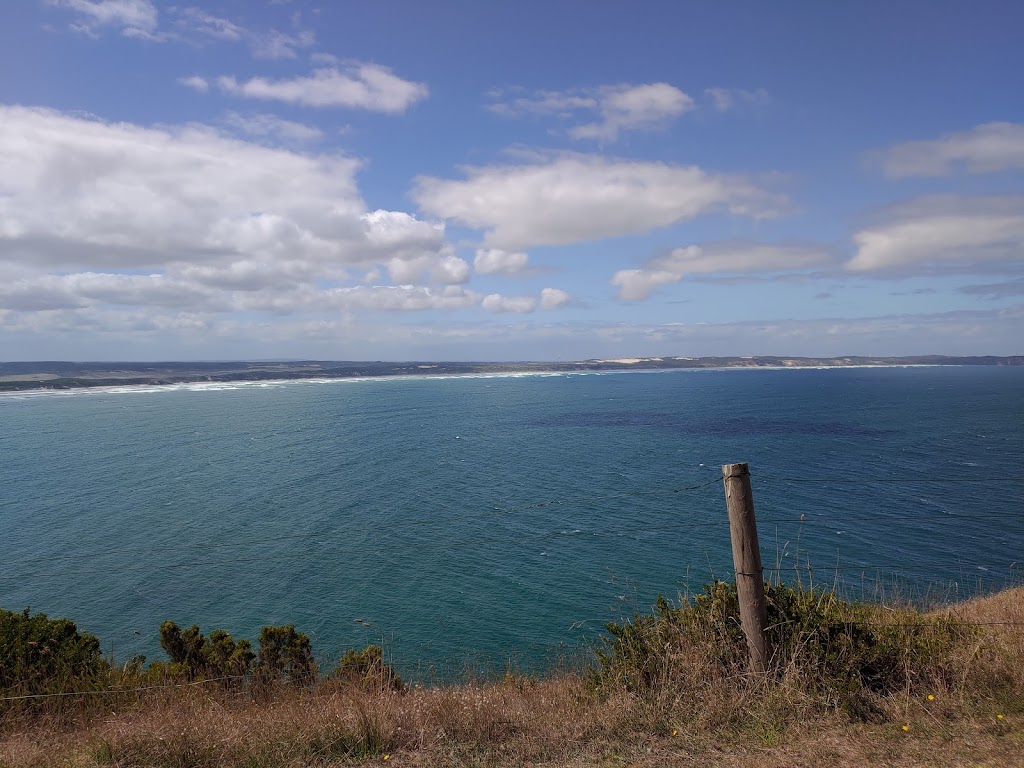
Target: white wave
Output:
[(226, 386)]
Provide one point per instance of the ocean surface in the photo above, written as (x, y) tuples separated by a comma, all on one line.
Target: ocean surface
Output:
[(473, 521)]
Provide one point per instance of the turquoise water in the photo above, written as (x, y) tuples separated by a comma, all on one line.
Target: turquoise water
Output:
[(486, 518)]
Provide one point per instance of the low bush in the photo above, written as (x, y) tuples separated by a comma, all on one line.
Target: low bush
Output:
[(846, 654), (43, 655), (285, 655), (368, 669), (194, 656)]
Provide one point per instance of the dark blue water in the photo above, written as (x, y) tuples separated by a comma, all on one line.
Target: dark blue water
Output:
[(490, 518)]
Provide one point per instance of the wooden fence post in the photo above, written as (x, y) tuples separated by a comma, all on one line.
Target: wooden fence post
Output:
[(746, 555)]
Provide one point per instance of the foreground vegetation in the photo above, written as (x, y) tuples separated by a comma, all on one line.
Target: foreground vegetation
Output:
[(851, 684)]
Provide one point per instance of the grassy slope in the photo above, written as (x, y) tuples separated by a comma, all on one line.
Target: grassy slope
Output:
[(559, 722)]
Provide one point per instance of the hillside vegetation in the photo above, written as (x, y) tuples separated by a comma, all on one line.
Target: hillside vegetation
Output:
[(850, 684)]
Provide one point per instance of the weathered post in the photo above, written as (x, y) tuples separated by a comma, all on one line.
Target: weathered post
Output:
[(746, 555)]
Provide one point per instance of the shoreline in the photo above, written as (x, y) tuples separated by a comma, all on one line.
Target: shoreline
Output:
[(247, 383), (21, 379)]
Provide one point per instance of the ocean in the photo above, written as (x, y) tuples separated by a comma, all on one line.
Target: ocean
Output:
[(477, 521)]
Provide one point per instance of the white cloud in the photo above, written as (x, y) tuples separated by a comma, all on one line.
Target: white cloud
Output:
[(133, 17), (563, 104), (203, 23), (944, 234), (362, 86), (195, 23), (74, 190), (447, 269), (215, 223), (984, 149), (519, 305), (271, 126), (130, 232), (401, 298), (280, 45), (717, 258), (575, 198), (553, 298), (78, 290), (196, 83), (489, 261), (254, 274), (728, 99), (632, 108), (636, 284), (399, 231), (618, 108)]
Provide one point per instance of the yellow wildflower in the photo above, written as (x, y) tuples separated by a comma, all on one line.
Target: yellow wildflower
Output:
[(930, 697), (675, 731), (999, 717), (906, 727)]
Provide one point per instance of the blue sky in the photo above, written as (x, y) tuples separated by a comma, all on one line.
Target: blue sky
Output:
[(522, 180)]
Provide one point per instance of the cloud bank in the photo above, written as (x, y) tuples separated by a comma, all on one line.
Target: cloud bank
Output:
[(987, 148), (578, 198), (718, 258), (99, 218)]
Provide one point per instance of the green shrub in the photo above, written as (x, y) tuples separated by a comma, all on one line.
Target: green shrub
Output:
[(842, 651), (368, 669), (285, 655), (194, 656), (43, 655)]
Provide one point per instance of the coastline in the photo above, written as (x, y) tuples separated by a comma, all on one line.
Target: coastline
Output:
[(57, 377)]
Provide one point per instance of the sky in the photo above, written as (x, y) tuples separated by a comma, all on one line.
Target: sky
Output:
[(268, 179)]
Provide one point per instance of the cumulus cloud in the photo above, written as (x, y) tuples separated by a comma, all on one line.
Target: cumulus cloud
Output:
[(575, 198), (446, 269), (132, 17), (629, 108), (934, 235), (400, 231), (553, 298), (617, 108), (984, 149), (212, 222), (636, 284), (489, 261), (361, 86), (718, 258), (392, 298), (125, 229), (495, 302), (729, 99), (74, 190)]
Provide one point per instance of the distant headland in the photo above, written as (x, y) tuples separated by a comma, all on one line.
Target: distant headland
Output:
[(19, 376)]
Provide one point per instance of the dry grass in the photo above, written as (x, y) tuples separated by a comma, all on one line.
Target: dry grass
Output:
[(700, 715)]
